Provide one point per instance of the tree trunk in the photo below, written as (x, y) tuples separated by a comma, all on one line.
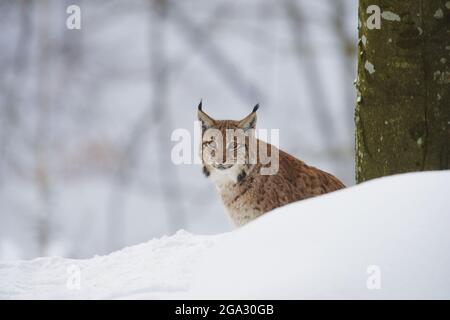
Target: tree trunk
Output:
[(403, 106)]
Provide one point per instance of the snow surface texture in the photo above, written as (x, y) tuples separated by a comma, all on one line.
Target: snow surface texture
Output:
[(317, 248)]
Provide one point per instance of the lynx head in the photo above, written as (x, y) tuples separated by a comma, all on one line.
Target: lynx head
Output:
[(225, 150)]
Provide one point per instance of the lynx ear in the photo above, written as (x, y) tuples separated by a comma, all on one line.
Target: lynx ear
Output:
[(249, 122), (207, 121)]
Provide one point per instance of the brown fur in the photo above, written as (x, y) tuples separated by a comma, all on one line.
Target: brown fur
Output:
[(246, 193)]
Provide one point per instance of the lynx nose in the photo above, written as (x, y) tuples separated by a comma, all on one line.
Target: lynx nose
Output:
[(223, 167)]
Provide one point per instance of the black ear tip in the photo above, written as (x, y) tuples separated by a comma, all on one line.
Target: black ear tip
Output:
[(200, 105), (255, 108)]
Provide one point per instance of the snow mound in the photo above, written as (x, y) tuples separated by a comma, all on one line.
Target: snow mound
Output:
[(383, 239), (160, 268), (387, 238)]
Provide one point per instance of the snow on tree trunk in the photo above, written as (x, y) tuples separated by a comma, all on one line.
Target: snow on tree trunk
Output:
[(403, 106)]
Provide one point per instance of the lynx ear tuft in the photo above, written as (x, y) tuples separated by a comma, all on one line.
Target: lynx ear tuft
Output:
[(207, 121), (249, 122)]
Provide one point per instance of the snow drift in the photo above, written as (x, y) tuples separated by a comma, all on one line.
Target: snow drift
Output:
[(328, 247), (332, 246)]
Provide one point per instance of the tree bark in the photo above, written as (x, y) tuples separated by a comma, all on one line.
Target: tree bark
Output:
[(403, 107)]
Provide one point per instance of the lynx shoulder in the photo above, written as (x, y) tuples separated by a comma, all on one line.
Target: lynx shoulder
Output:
[(253, 177)]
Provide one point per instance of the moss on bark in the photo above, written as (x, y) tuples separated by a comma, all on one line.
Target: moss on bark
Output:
[(403, 107)]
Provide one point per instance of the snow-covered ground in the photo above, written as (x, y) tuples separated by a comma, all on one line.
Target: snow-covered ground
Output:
[(387, 238), (159, 268)]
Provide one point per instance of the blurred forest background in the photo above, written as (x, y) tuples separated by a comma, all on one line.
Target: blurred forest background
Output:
[(86, 115)]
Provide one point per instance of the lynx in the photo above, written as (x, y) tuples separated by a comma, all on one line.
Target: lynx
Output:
[(237, 169)]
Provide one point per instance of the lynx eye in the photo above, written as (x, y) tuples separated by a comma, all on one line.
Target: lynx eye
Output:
[(234, 145), (212, 144)]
